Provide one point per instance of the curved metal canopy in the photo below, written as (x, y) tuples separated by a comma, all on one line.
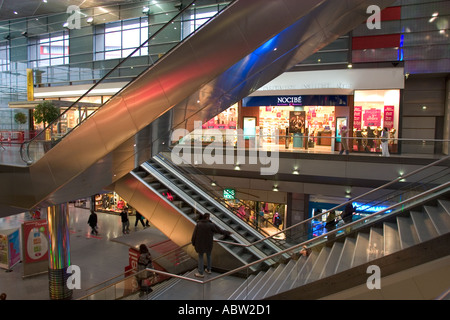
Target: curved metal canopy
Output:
[(250, 43)]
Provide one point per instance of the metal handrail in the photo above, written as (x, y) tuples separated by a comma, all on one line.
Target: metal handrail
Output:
[(435, 189), (122, 274), (305, 243), (345, 203), (182, 171)]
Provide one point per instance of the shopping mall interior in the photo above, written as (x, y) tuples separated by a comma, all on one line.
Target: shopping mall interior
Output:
[(315, 134)]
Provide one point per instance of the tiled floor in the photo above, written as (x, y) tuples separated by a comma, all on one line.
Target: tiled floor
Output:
[(99, 258)]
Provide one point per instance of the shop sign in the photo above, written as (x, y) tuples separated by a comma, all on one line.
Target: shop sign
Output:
[(296, 100)]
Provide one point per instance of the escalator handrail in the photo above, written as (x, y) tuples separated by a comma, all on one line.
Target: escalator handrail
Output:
[(225, 206), (214, 196), (181, 12)]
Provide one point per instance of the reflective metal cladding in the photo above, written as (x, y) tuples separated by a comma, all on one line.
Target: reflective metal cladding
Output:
[(247, 45)]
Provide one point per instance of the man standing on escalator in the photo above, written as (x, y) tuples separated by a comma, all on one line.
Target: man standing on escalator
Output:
[(202, 240)]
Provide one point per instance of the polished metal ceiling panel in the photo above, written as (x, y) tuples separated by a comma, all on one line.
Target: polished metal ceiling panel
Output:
[(177, 91)]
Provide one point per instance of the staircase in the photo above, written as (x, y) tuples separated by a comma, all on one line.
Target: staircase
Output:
[(381, 241)]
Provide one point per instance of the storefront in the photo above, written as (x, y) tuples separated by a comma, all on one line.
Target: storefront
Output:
[(373, 111), (316, 207), (110, 203), (364, 100), (267, 217), (297, 121)]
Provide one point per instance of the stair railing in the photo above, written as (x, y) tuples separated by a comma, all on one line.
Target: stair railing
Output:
[(308, 243), (305, 224)]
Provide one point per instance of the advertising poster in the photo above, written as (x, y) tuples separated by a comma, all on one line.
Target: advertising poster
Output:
[(35, 244), (3, 251), (372, 117), (389, 117), (9, 248), (340, 122), (297, 121), (249, 127), (357, 118)]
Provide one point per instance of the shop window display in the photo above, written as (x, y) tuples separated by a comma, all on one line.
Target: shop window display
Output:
[(317, 127), (223, 122), (374, 110), (267, 217), (110, 203)]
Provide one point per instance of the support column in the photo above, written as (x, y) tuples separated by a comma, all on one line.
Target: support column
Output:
[(59, 251), (446, 148), (297, 204)]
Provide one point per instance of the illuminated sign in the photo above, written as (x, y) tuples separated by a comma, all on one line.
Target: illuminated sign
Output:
[(296, 100), (229, 194), (362, 207)]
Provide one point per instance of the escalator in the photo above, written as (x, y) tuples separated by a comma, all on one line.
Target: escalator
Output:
[(239, 50), (173, 206), (194, 186), (191, 201)]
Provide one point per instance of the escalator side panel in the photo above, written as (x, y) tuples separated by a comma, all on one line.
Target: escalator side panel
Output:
[(168, 220)]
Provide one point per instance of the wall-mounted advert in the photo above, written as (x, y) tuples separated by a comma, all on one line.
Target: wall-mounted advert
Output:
[(296, 121)]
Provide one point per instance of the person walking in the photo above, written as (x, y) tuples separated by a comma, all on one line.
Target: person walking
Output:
[(140, 218), (125, 221), (347, 214), (384, 142), (330, 224), (92, 222), (202, 240), (144, 262)]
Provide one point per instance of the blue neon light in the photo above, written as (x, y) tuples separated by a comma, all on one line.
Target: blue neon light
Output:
[(400, 55), (362, 207)]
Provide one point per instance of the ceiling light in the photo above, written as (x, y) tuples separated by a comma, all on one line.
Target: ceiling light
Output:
[(146, 10), (295, 171), (275, 188), (348, 193), (237, 167), (350, 66), (15, 12), (89, 20)]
